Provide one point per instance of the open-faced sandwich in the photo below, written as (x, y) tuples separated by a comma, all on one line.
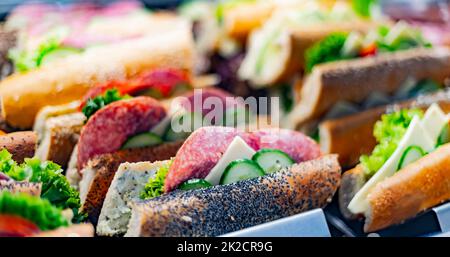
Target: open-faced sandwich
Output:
[(406, 173), (62, 52), (221, 180)]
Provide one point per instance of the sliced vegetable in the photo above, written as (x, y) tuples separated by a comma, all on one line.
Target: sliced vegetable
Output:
[(142, 140), (194, 184), (411, 154), (326, 50), (183, 125), (241, 170), (444, 136), (388, 132), (272, 160), (155, 184), (37, 210)]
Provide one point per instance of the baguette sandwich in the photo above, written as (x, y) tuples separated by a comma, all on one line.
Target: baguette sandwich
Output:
[(351, 72), (240, 180), (57, 68), (405, 174)]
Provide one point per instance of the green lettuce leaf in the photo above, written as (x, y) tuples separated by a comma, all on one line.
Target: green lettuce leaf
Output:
[(95, 104), (155, 185), (55, 187), (39, 211), (388, 132), (326, 50)]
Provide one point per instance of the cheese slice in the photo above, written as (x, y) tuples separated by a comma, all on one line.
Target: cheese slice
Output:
[(161, 128), (434, 121), (415, 135), (238, 149)]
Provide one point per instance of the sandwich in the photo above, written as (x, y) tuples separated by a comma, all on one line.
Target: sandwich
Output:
[(58, 64), (121, 128), (222, 179), (406, 173), (351, 72), (35, 197), (352, 136), (276, 51)]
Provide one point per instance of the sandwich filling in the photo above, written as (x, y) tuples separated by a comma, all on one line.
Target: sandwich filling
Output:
[(404, 137)]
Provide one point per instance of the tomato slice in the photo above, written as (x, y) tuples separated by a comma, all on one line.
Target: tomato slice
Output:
[(164, 81), (368, 50), (16, 226)]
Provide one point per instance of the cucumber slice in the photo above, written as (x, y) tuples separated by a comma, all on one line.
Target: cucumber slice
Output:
[(272, 160), (182, 126), (411, 154), (444, 136), (236, 116), (142, 140), (57, 54), (241, 170), (194, 184)]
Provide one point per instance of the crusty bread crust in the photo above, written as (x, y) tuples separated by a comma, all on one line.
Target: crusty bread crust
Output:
[(352, 136), (59, 82), (20, 144), (355, 80), (105, 166), (351, 182), (417, 187), (241, 20), (222, 209)]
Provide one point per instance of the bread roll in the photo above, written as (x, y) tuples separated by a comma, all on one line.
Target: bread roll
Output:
[(59, 82)]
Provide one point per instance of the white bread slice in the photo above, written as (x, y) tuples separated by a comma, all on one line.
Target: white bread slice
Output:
[(126, 187)]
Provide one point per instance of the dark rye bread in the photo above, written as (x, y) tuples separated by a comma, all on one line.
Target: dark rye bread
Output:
[(20, 144), (417, 187), (352, 136), (354, 80), (222, 209), (100, 171)]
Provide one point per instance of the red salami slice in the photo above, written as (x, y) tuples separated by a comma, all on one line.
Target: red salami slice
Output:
[(109, 128), (200, 153), (204, 148), (300, 147)]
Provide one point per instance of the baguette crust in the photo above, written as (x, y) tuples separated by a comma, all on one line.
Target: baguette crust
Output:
[(20, 144), (59, 82), (102, 169), (355, 80), (352, 136), (417, 187), (221, 209)]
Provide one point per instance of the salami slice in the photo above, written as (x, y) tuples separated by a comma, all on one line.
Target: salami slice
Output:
[(204, 148), (109, 128), (300, 147), (200, 153)]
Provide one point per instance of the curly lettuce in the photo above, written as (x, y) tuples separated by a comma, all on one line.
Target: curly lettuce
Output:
[(388, 132), (39, 211), (98, 102), (326, 50), (55, 187), (155, 184)]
